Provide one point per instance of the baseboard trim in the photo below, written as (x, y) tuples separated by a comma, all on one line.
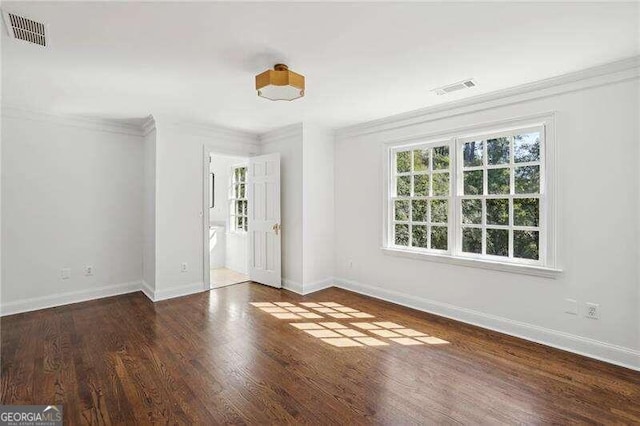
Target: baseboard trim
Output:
[(293, 286), (304, 289), (178, 291), (44, 302), (147, 290), (613, 354), (318, 285)]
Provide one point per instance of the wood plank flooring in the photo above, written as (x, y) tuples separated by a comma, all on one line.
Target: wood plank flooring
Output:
[(213, 358)]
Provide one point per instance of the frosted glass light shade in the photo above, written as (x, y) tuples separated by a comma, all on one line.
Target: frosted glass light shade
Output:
[(280, 84)]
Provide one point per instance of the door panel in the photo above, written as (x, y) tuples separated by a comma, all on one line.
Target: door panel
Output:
[(265, 257)]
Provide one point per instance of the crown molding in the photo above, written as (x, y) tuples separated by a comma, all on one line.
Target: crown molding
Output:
[(148, 125), (614, 72), (209, 130), (99, 124), (281, 133)]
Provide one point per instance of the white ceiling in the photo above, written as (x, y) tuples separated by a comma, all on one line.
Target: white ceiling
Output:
[(362, 61)]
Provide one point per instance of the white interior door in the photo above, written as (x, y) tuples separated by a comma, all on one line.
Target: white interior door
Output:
[(265, 257)]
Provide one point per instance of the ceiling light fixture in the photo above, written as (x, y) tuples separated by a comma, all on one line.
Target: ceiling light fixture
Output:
[(280, 84)]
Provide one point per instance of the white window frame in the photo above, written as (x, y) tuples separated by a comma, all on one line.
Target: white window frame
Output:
[(233, 227), (546, 264), (392, 197)]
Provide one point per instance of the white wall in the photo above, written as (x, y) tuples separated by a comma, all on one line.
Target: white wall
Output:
[(317, 207), (598, 161), (179, 202), (288, 142), (149, 211), (72, 196), (237, 252)]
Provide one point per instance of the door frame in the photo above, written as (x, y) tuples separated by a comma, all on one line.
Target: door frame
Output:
[(207, 151)]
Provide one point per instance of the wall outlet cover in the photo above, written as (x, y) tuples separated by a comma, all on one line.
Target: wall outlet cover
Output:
[(88, 271), (65, 273), (184, 267), (593, 311)]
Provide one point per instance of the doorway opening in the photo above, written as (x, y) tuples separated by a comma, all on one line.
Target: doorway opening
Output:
[(228, 241)]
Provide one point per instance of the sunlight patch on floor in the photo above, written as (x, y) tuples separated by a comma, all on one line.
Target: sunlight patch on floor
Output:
[(330, 309), (322, 333), (310, 315), (388, 325), (341, 335), (332, 325), (407, 341), (286, 316), (371, 341), (351, 333), (365, 325), (342, 342), (385, 333)]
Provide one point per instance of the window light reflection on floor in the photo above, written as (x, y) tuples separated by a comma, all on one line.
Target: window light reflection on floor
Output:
[(341, 335), (322, 333), (335, 311), (342, 342)]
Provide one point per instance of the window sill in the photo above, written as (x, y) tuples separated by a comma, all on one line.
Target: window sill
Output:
[(539, 271)]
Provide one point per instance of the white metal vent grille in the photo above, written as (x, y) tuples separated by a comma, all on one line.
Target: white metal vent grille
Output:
[(461, 85), (25, 29)]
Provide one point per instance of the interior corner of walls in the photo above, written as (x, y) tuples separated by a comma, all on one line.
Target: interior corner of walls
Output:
[(148, 125), (148, 290), (280, 133), (293, 286), (304, 288), (178, 291), (314, 286)]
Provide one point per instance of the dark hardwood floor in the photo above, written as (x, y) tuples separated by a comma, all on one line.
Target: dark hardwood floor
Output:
[(213, 358)]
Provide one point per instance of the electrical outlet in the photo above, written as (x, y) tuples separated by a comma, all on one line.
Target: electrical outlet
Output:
[(571, 306), (65, 273), (184, 267), (593, 311), (88, 270)]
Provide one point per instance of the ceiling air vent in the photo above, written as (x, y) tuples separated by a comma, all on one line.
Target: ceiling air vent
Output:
[(464, 84), (25, 29)]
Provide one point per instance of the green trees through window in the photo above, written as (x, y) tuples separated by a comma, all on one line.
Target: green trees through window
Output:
[(501, 196), (493, 207), (422, 190)]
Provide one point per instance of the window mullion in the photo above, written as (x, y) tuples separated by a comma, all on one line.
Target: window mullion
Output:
[(453, 198), (411, 195), (485, 192), (512, 191), (430, 194)]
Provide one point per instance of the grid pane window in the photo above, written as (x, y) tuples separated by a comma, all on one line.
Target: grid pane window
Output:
[(238, 208), (421, 197), (478, 197), (500, 196)]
